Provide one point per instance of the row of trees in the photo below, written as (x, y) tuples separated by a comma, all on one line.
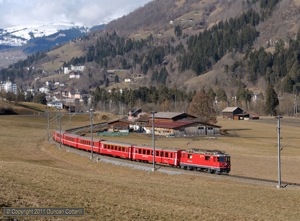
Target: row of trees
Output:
[(201, 104), (21, 96)]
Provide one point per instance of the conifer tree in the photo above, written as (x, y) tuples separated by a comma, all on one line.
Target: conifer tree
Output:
[(272, 101)]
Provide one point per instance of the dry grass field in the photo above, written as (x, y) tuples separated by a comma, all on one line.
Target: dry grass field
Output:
[(35, 173)]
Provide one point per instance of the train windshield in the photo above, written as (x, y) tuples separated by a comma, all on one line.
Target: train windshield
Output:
[(221, 159), (224, 159)]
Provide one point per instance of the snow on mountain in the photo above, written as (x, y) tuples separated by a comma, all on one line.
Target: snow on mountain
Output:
[(20, 35)]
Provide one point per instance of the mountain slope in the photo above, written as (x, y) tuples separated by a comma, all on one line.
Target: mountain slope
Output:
[(159, 44)]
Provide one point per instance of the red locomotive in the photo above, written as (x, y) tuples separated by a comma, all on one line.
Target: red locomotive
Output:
[(212, 161)]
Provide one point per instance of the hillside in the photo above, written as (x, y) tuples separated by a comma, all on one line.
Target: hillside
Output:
[(189, 45)]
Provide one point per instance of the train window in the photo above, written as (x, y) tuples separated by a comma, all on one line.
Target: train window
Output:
[(207, 157), (167, 154), (157, 153), (140, 151), (190, 156), (171, 155), (123, 149), (119, 148), (227, 159), (148, 152), (161, 154), (144, 151), (152, 152)]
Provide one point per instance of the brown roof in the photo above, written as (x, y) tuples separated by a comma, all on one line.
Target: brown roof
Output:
[(230, 109), (178, 124)]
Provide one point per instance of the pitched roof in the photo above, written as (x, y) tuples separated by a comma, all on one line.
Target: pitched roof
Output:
[(230, 109), (178, 124), (170, 115)]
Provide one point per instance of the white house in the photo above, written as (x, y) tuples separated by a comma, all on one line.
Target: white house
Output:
[(56, 104), (8, 86), (75, 75), (67, 70), (44, 90)]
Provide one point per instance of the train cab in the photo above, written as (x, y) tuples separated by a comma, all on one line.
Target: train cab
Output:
[(213, 161)]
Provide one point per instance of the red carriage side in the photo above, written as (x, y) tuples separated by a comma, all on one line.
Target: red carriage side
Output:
[(116, 149), (85, 143), (163, 156), (58, 136), (70, 140)]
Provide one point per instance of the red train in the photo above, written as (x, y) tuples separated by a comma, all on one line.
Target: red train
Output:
[(213, 161)]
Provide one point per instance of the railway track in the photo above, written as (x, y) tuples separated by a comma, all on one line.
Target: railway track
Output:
[(177, 171)]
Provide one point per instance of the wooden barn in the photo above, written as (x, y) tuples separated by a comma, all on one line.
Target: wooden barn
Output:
[(253, 115), (118, 126), (232, 113), (183, 129)]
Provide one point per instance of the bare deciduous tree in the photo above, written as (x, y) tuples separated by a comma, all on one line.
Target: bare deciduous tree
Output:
[(202, 108)]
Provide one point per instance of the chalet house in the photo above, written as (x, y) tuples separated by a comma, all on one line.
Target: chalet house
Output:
[(118, 126), (75, 95), (134, 114), (232, 112)]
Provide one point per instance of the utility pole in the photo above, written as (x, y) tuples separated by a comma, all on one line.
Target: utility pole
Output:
[(295, 106), (48, 123), (60, 135), (279, 149), (153, 140), (92, 140), (69, 115)]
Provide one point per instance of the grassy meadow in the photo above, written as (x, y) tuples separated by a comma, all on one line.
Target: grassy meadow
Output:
[(36, 173)]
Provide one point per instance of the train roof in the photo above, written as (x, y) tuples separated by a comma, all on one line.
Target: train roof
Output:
[(71, 135), (156, 148), (89, 138), (116, 143), (207, 152)]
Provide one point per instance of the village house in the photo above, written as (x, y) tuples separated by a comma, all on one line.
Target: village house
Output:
[(74, 75), (67, 70)]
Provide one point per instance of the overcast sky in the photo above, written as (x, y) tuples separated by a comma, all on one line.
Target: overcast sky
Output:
[(87, 12)]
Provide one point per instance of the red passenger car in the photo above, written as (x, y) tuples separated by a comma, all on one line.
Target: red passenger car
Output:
[(70, 140), (85, 143), (116, 149), (163, 156), (58, 136), (213, 161)]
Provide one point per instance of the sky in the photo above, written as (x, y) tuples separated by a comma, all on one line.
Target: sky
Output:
[(86, 12)]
